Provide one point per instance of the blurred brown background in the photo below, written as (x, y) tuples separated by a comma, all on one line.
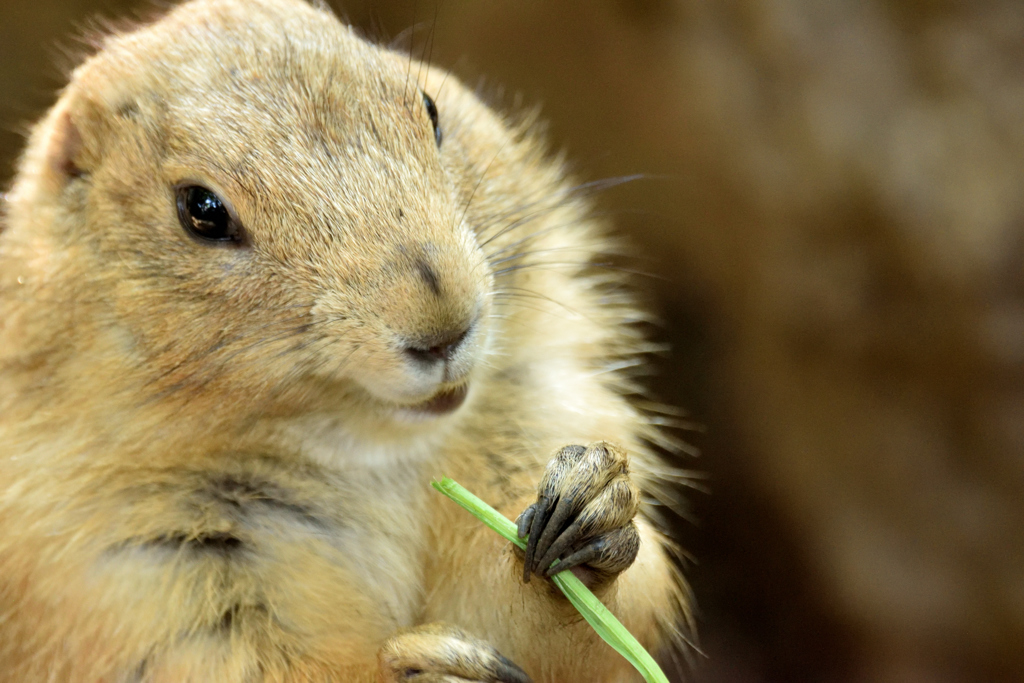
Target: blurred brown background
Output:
[(835, 211)]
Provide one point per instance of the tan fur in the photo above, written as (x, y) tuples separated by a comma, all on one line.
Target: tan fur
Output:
[(158, 395)]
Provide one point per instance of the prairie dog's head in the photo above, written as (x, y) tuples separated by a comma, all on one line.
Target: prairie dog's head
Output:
[(263, 201)]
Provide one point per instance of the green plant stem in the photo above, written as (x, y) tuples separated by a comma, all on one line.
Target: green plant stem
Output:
[(593, 610)]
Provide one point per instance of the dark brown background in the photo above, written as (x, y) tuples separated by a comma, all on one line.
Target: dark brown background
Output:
[(835, 214)]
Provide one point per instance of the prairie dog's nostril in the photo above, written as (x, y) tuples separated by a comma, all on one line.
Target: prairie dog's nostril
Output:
[(437, 348)]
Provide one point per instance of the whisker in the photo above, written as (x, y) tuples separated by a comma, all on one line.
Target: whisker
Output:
[(480, 180), (430, 40), (560, 198), (408, 66), (523, 220), (524, 254), (546, 265), (512, 292), (551, 265), (604, 247)]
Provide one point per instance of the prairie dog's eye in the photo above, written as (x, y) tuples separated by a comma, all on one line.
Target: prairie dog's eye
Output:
[(432, 112), (203, 215)]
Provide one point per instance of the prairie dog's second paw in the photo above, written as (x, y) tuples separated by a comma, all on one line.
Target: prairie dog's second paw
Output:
[(439, 653), (584, 514)]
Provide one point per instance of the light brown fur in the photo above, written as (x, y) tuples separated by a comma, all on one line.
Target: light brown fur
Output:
[(205, 474)]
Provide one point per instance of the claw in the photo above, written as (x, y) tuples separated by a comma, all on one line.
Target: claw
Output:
[(607, 555), (565, 540), (552, 529), (540, 519), (507, 672), (585, 555), (523, 523)]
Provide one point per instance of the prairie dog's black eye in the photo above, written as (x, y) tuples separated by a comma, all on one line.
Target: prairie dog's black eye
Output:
[(432, 112), (203, 215)]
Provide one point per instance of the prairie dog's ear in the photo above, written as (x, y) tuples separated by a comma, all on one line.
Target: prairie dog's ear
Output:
[(64, 148), (73, 146)]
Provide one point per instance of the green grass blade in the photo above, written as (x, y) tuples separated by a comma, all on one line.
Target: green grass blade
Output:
[(593, 610)]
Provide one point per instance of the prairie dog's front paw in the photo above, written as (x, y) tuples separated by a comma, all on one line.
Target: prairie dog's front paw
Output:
[(439, 653), (584, 513)]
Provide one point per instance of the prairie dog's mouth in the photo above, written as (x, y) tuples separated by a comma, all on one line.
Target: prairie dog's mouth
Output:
[(441, 403)]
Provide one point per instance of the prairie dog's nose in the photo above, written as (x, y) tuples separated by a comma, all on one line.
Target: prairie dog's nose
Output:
[(437, 348)]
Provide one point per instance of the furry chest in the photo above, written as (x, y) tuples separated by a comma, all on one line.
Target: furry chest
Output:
[(282, 554)]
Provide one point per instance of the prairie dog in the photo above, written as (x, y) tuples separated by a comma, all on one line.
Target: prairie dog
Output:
[(260, 281)]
